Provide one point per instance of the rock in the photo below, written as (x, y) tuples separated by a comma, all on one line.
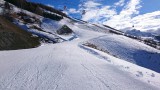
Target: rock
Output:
[(64, 30)]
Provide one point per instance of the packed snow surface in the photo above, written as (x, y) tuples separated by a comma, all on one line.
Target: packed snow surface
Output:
[(71, 66), (129, 50)]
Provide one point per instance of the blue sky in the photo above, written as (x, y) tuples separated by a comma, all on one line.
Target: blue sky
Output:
[(120, 14), (147, 5)]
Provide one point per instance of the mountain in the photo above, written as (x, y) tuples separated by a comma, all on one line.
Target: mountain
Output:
[(76, 55), (13, 37)]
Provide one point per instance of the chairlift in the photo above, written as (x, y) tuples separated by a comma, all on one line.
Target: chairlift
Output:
[(83, 12), (65, 8), (65, 5)]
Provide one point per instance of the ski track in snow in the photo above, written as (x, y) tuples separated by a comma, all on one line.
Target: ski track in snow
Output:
[(64, 66)]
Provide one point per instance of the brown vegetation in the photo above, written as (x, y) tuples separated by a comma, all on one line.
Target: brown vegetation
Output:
[(13, 37)]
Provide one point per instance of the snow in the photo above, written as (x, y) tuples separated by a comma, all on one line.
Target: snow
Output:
[(92, 27), (48, 26), (65, 66), (70, 65), (129, 50), (138, 72), (51, 12)]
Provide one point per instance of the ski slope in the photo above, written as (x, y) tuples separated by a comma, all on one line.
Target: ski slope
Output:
[(70, 66), (129, 50)]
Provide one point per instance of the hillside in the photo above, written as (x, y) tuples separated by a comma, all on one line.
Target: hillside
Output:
[(131, 51), (12, 37), (39, 9)]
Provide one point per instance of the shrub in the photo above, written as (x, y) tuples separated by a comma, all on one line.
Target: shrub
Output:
[(52, 16)]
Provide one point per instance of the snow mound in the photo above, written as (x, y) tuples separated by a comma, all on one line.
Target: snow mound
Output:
[(128, 49)]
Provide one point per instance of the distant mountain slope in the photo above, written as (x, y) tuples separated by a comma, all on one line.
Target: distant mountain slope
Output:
[(128, 49), (13, 37)]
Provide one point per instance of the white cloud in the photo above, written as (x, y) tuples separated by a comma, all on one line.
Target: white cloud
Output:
[(95, 13), (131, 8), (120, 3), (149, 21), (73, 11), (110, 13), (125, 19), (91, 4)]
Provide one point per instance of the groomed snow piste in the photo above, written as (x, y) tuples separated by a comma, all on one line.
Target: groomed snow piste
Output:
[(70, 65)]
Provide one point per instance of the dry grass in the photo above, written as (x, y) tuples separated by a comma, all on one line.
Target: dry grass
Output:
[(12, 37)]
